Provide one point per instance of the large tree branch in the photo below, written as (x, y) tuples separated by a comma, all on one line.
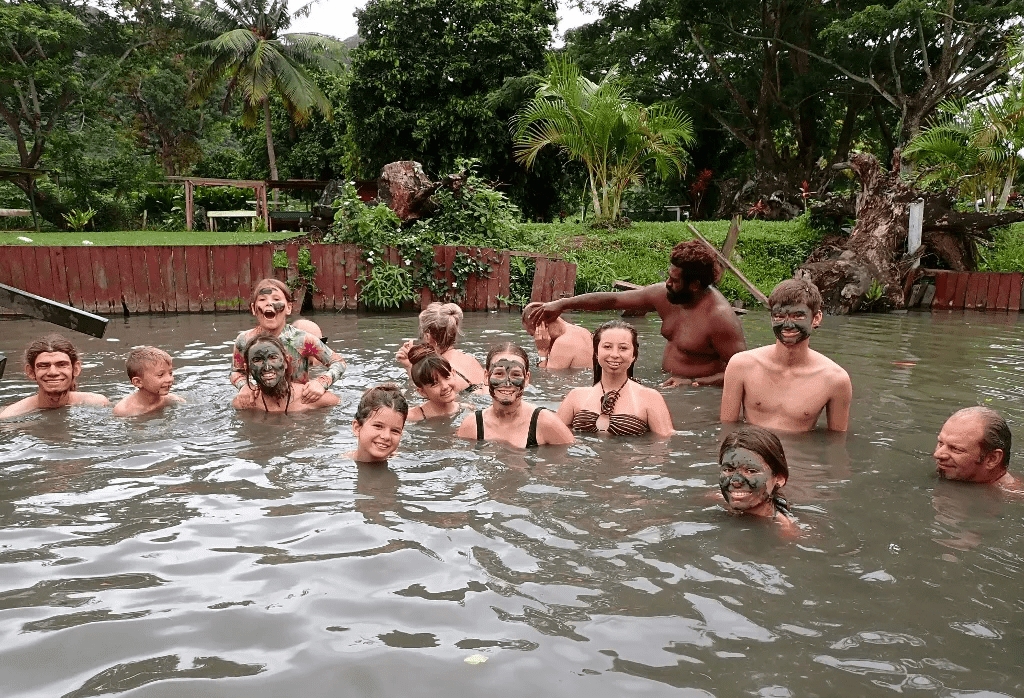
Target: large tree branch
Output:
[(741, 102), (96, 83), (924, 49), (736, 133), (13, 122)]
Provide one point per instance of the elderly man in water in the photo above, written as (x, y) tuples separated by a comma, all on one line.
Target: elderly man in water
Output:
[(54, 364), (974, 446), (785, 386), (696, 319), (560, 344)]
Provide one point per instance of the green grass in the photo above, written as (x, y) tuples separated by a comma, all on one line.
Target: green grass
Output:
[(1006, 253), (142, 237), (766, 253)]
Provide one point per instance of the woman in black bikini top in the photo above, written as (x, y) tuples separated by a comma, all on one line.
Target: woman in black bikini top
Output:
[(509, 419), (616, 404)]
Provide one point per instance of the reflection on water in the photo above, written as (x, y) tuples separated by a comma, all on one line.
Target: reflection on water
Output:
[(204, 552)]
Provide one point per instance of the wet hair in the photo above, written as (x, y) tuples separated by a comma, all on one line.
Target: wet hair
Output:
[(796, 291), (442, 323), (48, 344), (268, 339), (387, 395), (996, 434), (766, 446), (140, 358), (697, 262), (615, 325), (530, 327), (271, 283), (427, 365), (507, 348)]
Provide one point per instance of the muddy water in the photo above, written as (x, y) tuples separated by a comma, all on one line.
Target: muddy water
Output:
[(203, 552)]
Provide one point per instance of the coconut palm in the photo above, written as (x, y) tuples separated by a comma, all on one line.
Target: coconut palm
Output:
[(251, 48), (613, 136)]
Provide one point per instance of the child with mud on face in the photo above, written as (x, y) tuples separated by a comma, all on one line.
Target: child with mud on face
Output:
[(271, 305), (267, 387), (752, 472)]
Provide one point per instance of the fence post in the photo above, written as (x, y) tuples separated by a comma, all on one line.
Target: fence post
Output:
[(914, 230)]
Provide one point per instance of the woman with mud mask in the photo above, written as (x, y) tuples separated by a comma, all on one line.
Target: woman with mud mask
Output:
[(616, 404), (440, 327), (435, 380), (752, 470), (267, 387), (271, 305), (509, 419)]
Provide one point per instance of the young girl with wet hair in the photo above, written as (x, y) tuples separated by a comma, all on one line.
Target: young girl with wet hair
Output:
[(440, 327), (509, 418), (616, 404), (271, 305), (379, 423), (435, 380), (753, 470)]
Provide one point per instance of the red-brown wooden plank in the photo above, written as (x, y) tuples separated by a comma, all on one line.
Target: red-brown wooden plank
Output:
[(48, 287), (126, 278), (59, 268), (482, 255), (1016, 286), (558, 287), (491, 285), (986, 293), (540, 281), (164, 261), (180, 279), (959, 298), (245, 275), (26, 258), (6, 261), (569, 288), (193, 263), (338, 275), (157, 302), (110, 299), (977, 284), (88, 270), (74, 276), (231, 287), (219, 271), (945, 283), (467, 293), (503, 270), (140, 271), (206, 284), (316, 257), (1003, 297), (327, 276)]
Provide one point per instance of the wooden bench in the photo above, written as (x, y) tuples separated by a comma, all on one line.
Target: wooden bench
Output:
[(212, 216), (283, 218), (15, 213)]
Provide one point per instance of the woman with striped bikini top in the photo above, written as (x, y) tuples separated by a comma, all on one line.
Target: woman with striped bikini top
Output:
[(616, 404)]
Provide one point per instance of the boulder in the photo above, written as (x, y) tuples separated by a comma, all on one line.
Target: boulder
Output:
[(405, 188)]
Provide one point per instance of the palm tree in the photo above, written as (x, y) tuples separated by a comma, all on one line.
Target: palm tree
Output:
[(250, 47), (613, 136)]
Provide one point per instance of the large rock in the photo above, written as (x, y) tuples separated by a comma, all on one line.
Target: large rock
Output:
[(405, 188)]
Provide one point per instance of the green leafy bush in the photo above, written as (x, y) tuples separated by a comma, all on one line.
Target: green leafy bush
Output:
[(387, 285), (355, 222)]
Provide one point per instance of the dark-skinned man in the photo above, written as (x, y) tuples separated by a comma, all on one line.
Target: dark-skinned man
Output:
[(701, 327)]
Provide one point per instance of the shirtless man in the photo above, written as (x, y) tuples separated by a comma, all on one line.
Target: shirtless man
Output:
[(974, 446), (701, 327), (559, 343), (54, 364), (786, 385)]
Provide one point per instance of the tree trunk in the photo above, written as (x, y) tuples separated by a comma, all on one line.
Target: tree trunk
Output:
[(271, 156), (48, 208)]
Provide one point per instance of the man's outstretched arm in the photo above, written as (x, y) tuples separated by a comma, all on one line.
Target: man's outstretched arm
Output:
[(639, 299)]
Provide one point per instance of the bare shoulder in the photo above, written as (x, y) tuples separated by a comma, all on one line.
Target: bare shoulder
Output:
[(124, 407), (830, 369), (23, 406), (92, 399), (649, 393), (175, 399), (751, 357), (467, 429)]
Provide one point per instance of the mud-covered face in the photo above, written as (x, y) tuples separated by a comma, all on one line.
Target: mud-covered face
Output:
[(267, 367), (507, 378), (746, 480), (271, 308), (792, 323)]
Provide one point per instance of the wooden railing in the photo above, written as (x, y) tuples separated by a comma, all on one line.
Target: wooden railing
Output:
[(219, 278)]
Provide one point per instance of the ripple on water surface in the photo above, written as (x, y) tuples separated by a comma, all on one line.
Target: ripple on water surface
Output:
[(203, 552)]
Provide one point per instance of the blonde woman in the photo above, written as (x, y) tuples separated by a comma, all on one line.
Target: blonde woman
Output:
[(440, 327)]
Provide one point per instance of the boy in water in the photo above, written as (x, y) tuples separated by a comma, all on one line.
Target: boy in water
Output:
[(54, 364), (150, 370), (786, 385)]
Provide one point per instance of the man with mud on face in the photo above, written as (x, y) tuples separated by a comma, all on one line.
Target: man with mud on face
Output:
[(266, 364), (697, 321), (785, 386), (271, 305)]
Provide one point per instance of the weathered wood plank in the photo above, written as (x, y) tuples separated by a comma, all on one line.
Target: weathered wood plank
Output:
[(180, 279), (1003, 296), (51, 311), (945, 284), (959, 298), (110, 300), (74, 277), (1016, 287)]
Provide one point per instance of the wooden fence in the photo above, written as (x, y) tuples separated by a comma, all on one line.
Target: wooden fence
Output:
[(949, 290), (219, 278)]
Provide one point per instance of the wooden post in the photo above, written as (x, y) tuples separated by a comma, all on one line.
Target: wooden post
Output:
[(763, 299), (189, 211), (32, 201), (731, 238)]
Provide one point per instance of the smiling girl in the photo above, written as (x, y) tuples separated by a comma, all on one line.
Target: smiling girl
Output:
[(616, 404), (752, 471), (379, 423), (434, 380)]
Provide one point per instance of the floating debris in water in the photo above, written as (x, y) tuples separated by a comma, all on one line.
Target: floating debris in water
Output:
[(475, 659)]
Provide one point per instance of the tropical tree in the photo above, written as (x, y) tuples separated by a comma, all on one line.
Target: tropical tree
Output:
[(251, 47), (596, 124)]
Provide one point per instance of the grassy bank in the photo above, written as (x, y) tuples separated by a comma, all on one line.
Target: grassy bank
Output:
[(141, 237), (766, 252), (1006, 252)]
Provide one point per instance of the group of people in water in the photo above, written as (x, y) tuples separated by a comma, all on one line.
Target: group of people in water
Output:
[(782, 387)]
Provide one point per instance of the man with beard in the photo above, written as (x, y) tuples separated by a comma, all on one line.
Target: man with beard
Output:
[(266, 366), (701, 327), (54, 364), (786, 385), (974, 446)]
